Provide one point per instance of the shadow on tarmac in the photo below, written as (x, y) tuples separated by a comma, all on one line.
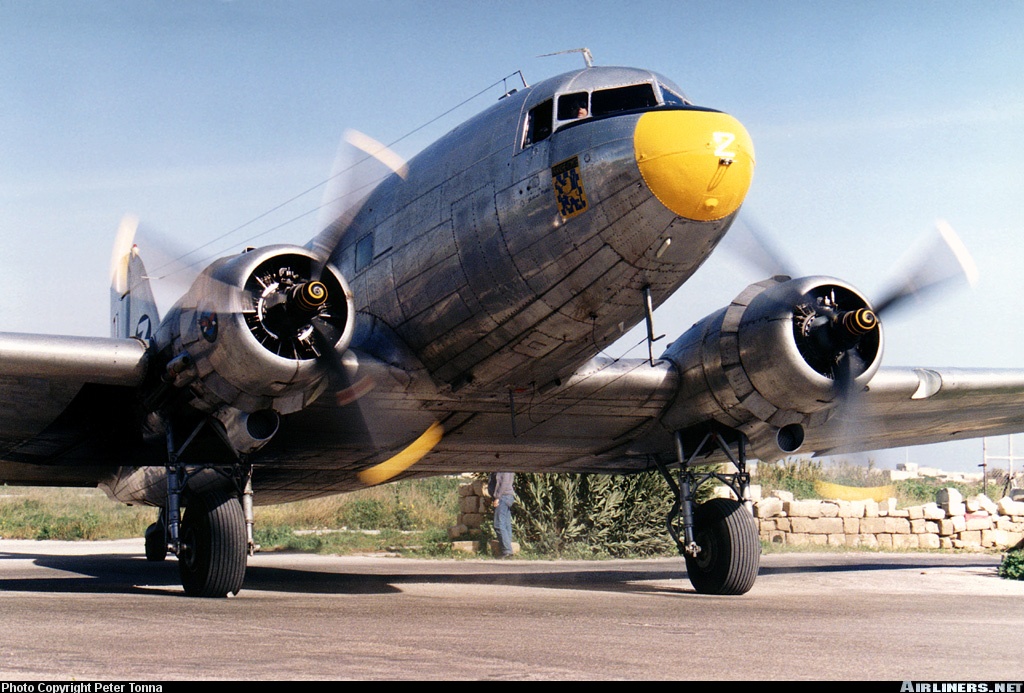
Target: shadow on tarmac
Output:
[(126, 574)]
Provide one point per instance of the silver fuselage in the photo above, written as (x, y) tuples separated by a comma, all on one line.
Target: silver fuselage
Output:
[(478, 273)]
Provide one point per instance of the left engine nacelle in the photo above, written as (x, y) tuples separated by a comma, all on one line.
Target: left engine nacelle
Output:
[(258, 332), (776, 359)]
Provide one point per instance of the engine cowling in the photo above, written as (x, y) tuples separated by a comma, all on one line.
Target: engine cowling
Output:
[(781, 355), (258, 332)]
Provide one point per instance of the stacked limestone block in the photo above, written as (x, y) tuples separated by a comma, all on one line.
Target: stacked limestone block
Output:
[(475, 506), (949, 523)]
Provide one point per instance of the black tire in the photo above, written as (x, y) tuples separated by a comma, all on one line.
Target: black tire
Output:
[(214, 547), (156, 541), (730, 548)]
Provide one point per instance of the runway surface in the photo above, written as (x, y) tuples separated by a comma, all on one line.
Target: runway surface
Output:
[(98, 610)]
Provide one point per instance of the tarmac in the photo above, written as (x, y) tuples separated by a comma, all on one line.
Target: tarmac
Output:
[(99, 611)]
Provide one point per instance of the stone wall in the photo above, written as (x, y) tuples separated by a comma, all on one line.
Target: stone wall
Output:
[(949, 523), (475, 506)]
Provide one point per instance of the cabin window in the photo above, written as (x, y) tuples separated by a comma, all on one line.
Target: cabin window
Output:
[(573, 106), (609, 101), (671, 98), (364, 251), (538, 123)]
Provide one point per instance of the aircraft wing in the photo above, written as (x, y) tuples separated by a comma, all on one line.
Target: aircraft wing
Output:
[(81, 359), (616, 412), (57, 391), (915, 406), (59, 396), (610, 416)]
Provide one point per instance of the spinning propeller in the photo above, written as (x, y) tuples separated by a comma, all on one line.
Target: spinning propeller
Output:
[(292, 300), (837, 333)]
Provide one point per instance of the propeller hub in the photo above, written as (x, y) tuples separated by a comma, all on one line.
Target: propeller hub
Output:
[(859, 322), (310, 296)]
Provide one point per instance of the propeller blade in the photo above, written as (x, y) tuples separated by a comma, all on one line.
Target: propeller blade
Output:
[(361, 163), (351, 385), (379, 151), (753, 244), (123, 242), (849, 366), (937, 261), (170, 265)]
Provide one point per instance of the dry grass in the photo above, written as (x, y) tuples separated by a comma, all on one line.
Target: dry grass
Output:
[(68, 513), (72, 513)]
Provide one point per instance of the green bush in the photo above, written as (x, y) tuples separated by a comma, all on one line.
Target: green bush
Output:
[(365, 513), (922, 490), (849, 474), (593, 514), (1012, 565), (794, 475), (55, 513)]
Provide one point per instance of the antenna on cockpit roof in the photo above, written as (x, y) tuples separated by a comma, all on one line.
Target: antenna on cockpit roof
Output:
[(587, 57)]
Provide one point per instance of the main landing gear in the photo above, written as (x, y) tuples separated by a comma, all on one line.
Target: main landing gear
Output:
[(214, 537), (718, 538), (212, 551)]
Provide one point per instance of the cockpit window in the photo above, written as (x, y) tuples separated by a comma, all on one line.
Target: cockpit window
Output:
[(609, 101), (538, 123), (573, 106), (543, 118), (671, 98)]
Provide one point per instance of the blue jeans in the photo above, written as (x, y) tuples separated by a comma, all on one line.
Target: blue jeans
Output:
[(503, 523)]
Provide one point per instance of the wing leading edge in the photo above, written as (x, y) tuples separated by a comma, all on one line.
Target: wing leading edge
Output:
[(900, 407), (101, 360)]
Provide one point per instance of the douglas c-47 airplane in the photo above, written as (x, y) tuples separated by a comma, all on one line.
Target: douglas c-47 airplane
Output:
[(452, 322)]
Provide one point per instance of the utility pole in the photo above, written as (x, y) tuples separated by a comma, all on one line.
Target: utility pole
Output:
[(1009, 457)]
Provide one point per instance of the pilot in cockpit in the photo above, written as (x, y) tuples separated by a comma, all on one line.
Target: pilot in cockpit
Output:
[(573, 106)]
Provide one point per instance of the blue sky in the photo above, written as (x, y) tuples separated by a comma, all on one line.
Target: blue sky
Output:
[(870, 120)]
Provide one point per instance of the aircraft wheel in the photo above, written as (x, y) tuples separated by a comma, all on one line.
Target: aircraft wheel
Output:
[(156, 542), (214, 551), (730, 548)]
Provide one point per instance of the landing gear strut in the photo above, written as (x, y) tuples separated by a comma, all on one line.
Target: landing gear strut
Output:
[(214, 538), (719, 538)]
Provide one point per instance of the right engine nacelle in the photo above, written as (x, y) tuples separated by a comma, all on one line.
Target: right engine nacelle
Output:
[(780, 354)]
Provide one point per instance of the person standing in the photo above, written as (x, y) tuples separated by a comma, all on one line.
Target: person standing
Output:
[(499, 487)]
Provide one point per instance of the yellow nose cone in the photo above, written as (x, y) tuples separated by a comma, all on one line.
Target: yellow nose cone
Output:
[(697, 163)]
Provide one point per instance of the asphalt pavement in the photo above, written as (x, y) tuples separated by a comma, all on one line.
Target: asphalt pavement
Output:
[(98, 610)]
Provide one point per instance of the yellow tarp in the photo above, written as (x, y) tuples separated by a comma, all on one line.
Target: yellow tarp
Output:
[(851, 493)]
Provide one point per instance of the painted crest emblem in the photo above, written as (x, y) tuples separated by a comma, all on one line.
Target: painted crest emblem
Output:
[(208, 325), (569, 192)]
